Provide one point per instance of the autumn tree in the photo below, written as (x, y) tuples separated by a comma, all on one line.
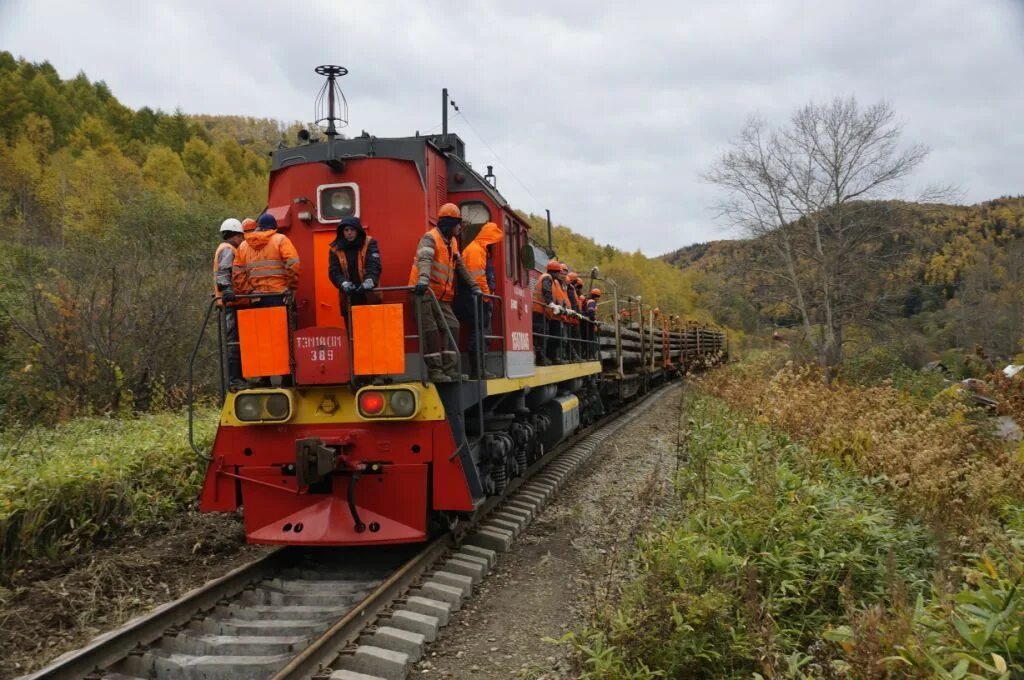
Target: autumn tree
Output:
[(816, 192)]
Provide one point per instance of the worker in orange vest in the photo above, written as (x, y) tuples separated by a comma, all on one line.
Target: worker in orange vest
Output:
[(266, 263), (561, 291), (477, 258), (590, 312), (223, 260), (436, 264), (354, 266), (547, 311)]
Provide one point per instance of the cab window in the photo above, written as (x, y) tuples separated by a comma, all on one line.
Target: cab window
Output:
[(337, 201)]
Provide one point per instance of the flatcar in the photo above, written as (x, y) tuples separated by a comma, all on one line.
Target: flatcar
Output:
[(346, 442)]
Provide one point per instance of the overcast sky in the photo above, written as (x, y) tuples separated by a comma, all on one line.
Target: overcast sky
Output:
[(606, 113)]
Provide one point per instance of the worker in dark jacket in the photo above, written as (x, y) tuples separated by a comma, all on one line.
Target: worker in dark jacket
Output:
[(355, 266), (590, 311)]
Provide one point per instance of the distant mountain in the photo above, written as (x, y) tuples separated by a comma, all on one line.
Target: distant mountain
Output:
[(962, 284)]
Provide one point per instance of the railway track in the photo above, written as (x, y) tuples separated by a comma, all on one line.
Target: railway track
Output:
[(297, 613)]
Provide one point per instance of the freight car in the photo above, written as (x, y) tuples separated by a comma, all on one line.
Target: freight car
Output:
[(346, 442)]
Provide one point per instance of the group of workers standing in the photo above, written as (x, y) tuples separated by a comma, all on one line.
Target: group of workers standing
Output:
[(564, 321), (257, 266)]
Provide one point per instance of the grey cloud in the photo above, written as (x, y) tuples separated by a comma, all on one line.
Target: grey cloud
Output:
[(607, 112)]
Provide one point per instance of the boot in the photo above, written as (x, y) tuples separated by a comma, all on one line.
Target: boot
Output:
[(475, 372), (435, 371), (449, 364)]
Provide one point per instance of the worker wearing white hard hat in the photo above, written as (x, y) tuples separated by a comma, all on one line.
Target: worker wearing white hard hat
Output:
[(231, 235)]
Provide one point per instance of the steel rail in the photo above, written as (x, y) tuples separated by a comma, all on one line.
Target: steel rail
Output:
[(114, 646)]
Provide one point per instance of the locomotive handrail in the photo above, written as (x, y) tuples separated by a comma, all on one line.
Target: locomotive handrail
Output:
[(191, 382), (221, 355)]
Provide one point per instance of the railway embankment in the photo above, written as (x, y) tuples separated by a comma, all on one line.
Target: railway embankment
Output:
[(818, 532), (98, 525)]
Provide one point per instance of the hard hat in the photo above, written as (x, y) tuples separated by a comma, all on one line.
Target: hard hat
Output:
[(554, 266), (573, 276), (595, 292), (231, 225), (266, 221), (449, 210), (248, 224)]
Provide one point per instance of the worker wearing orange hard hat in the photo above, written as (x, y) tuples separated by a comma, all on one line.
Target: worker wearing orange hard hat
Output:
[(435, 267), (547, 308), (572, 320), (477, 257)]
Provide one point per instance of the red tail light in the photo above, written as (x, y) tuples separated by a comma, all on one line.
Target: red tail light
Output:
[(371, 403)]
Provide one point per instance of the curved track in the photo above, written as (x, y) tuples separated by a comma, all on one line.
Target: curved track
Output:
[(290, 612)]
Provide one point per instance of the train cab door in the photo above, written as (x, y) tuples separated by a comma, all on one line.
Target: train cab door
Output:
[(517, 297)]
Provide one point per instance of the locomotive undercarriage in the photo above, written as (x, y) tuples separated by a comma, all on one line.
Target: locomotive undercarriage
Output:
[(519, 428)]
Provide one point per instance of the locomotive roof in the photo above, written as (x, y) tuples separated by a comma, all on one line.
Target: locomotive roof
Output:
[(401, 148)]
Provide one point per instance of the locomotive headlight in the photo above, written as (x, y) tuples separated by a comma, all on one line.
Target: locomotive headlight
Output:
[(247, 407), (277, 406), (263, 407), (403, 403)]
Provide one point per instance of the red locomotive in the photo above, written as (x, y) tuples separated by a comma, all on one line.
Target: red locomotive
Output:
[(349, 444)]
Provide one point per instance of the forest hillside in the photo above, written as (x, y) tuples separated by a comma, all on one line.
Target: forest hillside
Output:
[(111, 219), (960, 288)]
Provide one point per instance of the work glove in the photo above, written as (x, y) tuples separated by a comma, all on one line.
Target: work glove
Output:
[(228, 295), (368, 284), (420, 289), (347, 287)]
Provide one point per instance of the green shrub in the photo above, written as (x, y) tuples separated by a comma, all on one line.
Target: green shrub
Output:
[(770, 549), (66, 487)]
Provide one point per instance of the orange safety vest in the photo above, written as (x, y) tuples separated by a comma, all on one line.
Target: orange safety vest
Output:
[(562, 298), (442, 269), (474, 255), (216, 260), (539, 305), (360, 261), (266, 263)]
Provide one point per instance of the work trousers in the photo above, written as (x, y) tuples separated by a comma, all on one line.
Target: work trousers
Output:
[(435, 337), (547, 341), (485, 325), (234, 351)]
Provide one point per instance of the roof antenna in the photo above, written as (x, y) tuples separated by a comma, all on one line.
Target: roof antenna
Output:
[(332, 93), (490, 178)]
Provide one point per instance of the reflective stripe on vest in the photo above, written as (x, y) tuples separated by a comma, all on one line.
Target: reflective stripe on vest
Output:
[(540, 305)]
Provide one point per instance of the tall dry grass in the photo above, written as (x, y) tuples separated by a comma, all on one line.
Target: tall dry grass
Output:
[(937, 458)]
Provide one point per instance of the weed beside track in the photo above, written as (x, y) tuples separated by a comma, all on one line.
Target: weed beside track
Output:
[(90, 480)]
